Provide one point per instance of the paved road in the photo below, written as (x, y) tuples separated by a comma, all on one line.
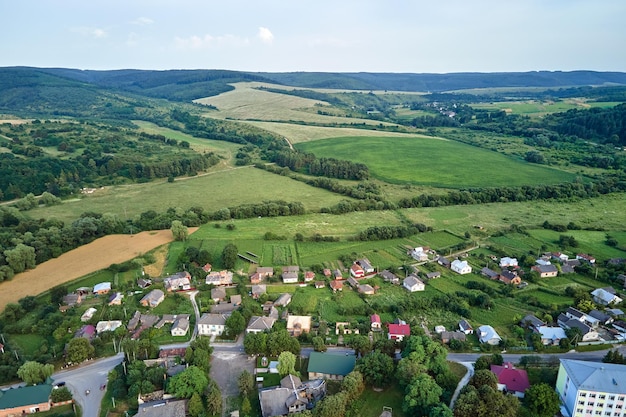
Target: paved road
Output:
[(463, 382), (595, 356), (88, 376)]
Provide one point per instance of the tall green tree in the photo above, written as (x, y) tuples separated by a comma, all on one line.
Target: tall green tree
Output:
[(33, 372), (542, 400), (79, 349), (20, 258), (213, 398), (287, 364), (235, 324), (421, 395), (195, 405), (353, 385), (191, 380), (245, 382), (179, 231), (377, 368), (229, 256)]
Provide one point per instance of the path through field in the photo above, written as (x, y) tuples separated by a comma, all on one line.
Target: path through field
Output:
[(99, 254)]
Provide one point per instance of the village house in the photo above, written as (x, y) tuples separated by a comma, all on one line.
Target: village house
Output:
[(602, 318), (366, 289), (219, 278), (88, 314), (574, 319), (211, 324), (296, 325), (460, 267), (376, 325), (291, 396), (560, 257), (487, 334), (443, 261), (327, 272), (447, 337), (235, 300), (163, 408), (531, 322), (290, 277), (258, 290), (465, 327), (309, 276), (507, 262), (218, 294), (357, 271), (489, 273), (326, 365), (399, 331), (586, 257), (545, 271), (25, 400), (336, 285), (180, 281), (389, 277), (260, 324), (510, 379), (265, 271), (509, 277), (144, 283), (343, 327), (116, 299), (107, 325), (337, 274), (152, 299), (419, 254), (551, 336), (282, 300), (433, 275), (320, 284), (180, 327), (352, 282), (102, 288), (366, 265), (412, 283), (605, 296)]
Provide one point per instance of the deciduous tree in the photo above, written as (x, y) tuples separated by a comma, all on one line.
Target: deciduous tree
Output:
[(286, 364), (191, 380), (33, 372), (542, 400)]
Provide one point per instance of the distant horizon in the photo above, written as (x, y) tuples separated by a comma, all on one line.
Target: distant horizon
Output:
[(418, 37), (319, 72)]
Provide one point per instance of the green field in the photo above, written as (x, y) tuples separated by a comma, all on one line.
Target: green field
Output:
[(213, 191), (540, 108), (434, 162)]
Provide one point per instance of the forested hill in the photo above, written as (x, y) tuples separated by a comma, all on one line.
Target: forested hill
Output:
[(21, 86)]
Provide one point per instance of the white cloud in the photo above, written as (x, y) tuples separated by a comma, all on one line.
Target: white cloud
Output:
[(91, 32), (209, 41), (265, 35), (142, 21)]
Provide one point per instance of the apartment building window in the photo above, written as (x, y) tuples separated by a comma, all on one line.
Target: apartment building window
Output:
[(602, 396)]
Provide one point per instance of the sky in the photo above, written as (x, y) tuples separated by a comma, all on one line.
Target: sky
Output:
[(399, 36)]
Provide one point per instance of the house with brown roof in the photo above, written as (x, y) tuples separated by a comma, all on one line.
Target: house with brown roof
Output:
[(447, 337), (357, 271), (320, 284), (376, 324), (309, 276), (509, 277), (218, 294), (219, 278), (258, 290), (260, 324), (180, 281), (366, 289), (327, 272), (336, 285)]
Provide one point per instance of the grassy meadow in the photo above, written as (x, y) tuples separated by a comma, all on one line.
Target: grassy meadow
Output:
[(429, 161), (537, 108), (212, 191)]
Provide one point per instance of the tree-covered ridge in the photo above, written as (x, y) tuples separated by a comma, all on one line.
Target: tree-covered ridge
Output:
[(601, 125), (63, 157)]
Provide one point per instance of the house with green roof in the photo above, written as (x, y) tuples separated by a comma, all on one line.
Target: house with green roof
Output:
[(329, 366), (25, 400)]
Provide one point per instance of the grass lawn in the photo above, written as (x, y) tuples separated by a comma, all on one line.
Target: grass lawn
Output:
[(27, 344), (371, 402), (540, 108), (591, 242), (428, 161)]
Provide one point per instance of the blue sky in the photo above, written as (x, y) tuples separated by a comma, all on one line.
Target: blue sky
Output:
[(329, 36)]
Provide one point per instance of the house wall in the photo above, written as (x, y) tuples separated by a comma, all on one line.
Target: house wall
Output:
[(209, 330), (318, 375), (27, 409)]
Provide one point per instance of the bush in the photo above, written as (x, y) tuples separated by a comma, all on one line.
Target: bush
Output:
[(60, 394)]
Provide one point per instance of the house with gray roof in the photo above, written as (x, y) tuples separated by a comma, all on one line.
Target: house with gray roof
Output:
[(259, 324), (258, 290), (545, 271), (291, 396), (211, 324), (163, 408), (283, 300), (487, 334), (532, 322), (601, 387), (180, 327), (605, 296), (551, 335), (412, 283), (153, 298)]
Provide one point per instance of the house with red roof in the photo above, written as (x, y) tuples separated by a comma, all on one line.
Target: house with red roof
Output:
[(376, 323), (399, 331), (357, 271), (511, 379), (336, 285)]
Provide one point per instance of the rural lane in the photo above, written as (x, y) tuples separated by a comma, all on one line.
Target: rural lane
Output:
[(90, 376)]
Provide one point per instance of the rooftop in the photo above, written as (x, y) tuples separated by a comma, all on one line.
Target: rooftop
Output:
[(596, 376)]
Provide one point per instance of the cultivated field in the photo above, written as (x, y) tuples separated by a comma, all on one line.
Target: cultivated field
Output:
[(84, 260), (427, 161), (245, 102), (541, 108)]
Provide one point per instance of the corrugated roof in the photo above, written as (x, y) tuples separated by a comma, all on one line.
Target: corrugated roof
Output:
[(596, 376), (24, 396)]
